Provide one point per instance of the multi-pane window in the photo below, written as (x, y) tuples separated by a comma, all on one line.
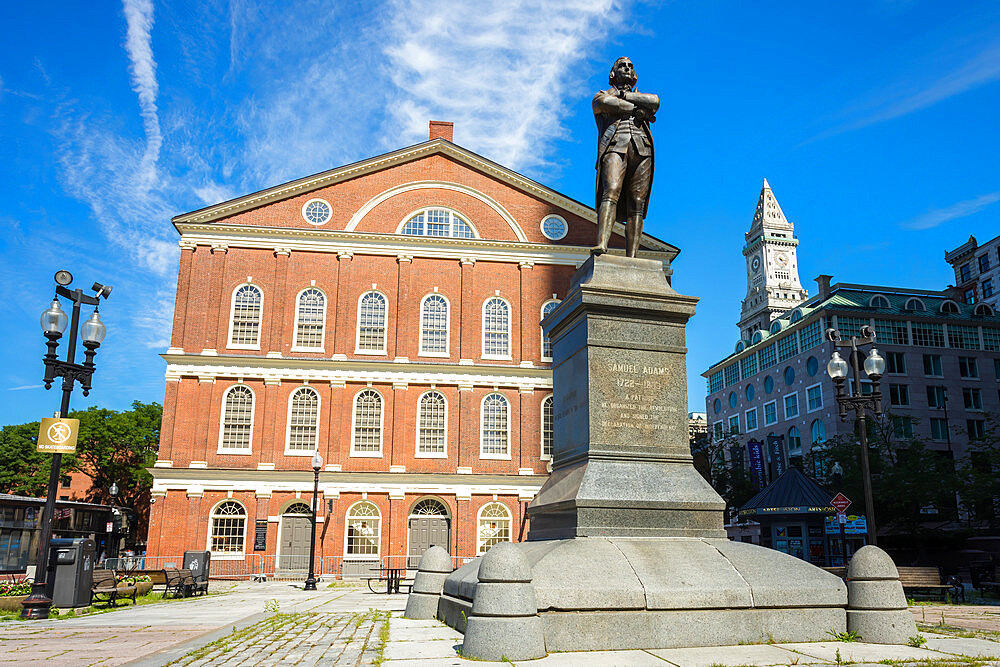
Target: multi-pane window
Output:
[(494, 526), (895, 362), (969, 295), (718, 431), (963, 338), (438, 222), (237, 419), (432, 423), (902, 426), (984, 263), (967, 367), (748, 366), (434, 325), (548, 424), (770, 412), (996, 369), (244, 326), (811, 335), (788, 347), (310, 316), (927, 334), (751, 419), (851, 326), (965, 273), (363, 523), (932, 365), (367, 431), (229, 521), (734, 425), (991, 339), (768, 357), (973, 398), (936, 397), (814, 397), (939, 428), (496, 328), (987, 288), (892, 332), (791, 406), (546, 343), (794, 439), (495, 434), (303, 420), (817, 432), (732, 374), (976, 428), (371, 322), (899, 394), (715, 382)]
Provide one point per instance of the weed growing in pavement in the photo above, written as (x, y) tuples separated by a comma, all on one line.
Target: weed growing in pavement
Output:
[(272, 606), (916, 641), (848, 636), (840, 660)]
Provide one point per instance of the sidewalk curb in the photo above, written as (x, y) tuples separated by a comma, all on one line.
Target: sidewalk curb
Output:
[(166, 655)]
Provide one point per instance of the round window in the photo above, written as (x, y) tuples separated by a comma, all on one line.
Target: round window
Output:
[(732, 399), (749, 392), (768, 384), (789, 375), (717, 405), (316, 212), (812, 366), (554, 227)]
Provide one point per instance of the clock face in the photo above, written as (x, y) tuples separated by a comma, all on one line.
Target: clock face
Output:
[(755, 264), (781, 259)]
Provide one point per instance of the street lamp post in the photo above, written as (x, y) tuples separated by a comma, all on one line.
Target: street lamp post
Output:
[(838, 481), (92, 332), (857, 401), (317, 463), (113, 492)]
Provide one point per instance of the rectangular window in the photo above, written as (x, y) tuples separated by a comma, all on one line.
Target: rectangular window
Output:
[(734, 425), (996, 369), (814, 397), (964, 273), (771, 412), (811, 335), (932, 365), (892, 332), (715, 382), (927, 334), (991, 339), (899, 394), (973, 398), (895, 362), (936, 397), (963, 338), (751, 419), (788, 347), (968, 368), (717, 430), (987, 288), (902, 426), (984, 263), (732, 374), (939, 428), (767, 357), (851, 326), (977, 428), (748, 366), (970, 295), (791, 406)]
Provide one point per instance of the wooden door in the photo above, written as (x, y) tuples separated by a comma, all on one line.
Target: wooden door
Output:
[(293, 552), (425, 532)]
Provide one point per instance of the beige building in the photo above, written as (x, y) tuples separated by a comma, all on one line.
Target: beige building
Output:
[(977, 271)]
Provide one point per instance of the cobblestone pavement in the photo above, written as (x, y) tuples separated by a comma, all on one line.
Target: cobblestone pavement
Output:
[(984, 618)]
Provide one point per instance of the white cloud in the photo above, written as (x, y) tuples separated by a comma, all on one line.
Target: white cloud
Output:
[(142, 69), (938, 216), (25, 386)]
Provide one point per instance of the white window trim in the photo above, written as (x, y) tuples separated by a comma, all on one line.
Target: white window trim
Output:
[(788, 435), (541, 226), (510, 329), (222, 421), (482, 415), (541, 340), (447, 336), (295, 325), (912, 299), (821, 401), (347, 523), (747, 421), (784, 405), (328, 207), (422, 209), (479, 517), (228, 555), (416, 443), (288, 422), (541, 431), (354, 423), (357, 327), (958, 309), (763, 415), (729, 424), (721, 421), (232, 311)]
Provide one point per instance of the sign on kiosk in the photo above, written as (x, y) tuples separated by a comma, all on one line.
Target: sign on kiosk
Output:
[(57, 435)]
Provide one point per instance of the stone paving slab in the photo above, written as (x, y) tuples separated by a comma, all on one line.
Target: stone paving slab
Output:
[(755, 654), (961, 646), (860, 652), (595, 658)]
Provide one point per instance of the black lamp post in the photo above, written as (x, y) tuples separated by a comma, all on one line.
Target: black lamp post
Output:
[(317, 463), (113, 542), (838, 480), (92, 332), (857, 401)]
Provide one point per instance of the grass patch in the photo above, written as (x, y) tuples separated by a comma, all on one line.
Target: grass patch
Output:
[(152, 597), (954, 631)]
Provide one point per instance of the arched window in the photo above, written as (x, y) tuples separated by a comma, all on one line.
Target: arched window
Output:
[(949, 307), (366, 436), (913, 303), (236, 433), (438, 222), (796, 315), (298, 509), (775, 326), (303, 420), (494, 526), (244, 322), (434, 325), (547, 426), (982, 309), (228, 522), (371, 323), (546, 343), (310, 319), (496, 328), (363, 529), (878, 301), (794, 439), (432, 425), (429, 507), (495, 442), (740, 346), (817, 432), (757, 337)]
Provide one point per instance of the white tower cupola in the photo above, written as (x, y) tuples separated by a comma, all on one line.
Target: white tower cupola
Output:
[(772, 266)]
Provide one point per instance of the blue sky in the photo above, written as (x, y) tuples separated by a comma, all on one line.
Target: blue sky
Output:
[(874, 122)]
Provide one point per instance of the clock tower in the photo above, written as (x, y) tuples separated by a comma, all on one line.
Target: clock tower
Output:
[(772, 267)]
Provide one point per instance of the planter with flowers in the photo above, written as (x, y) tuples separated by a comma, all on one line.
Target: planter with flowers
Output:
[(12, 593)]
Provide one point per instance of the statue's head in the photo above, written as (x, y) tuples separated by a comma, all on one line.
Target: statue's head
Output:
[(622, 74)]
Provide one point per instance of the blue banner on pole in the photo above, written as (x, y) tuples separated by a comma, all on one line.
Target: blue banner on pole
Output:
[(756, 451)]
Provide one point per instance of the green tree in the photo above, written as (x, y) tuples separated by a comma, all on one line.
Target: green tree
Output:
[(730, 478), (979, 476), (24, 471)]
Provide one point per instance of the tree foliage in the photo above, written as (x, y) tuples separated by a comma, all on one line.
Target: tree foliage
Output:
[(24, 471), (979, 476)]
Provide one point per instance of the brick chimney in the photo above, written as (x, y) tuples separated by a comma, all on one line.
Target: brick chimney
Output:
[(823, 281), (441, 129)]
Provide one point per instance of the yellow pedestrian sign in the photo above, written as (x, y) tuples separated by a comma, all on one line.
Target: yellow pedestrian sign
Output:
[(57, 435)]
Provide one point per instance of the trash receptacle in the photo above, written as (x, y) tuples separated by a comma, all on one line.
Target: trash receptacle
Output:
[(198, 563), (71, 563)]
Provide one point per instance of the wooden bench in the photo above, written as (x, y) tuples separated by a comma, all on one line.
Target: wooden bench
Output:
[(179, 582), (105, 588), (924, 579), (986, 578)]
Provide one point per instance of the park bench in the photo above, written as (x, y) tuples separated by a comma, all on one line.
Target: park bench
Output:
[(986, 578), (182, 583), (105, 588), (926, 579), (389, 580)]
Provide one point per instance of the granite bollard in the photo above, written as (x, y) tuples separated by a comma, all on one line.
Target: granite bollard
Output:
[(434, 568), (876, 604)]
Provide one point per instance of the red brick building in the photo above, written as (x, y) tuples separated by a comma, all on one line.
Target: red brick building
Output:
[(387, 313)]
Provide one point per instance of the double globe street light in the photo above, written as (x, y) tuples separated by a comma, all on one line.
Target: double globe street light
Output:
[(857, 401)]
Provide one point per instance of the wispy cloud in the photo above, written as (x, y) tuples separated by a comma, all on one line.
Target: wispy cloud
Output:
[(142, 70), (939, 216), (25, 386)]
